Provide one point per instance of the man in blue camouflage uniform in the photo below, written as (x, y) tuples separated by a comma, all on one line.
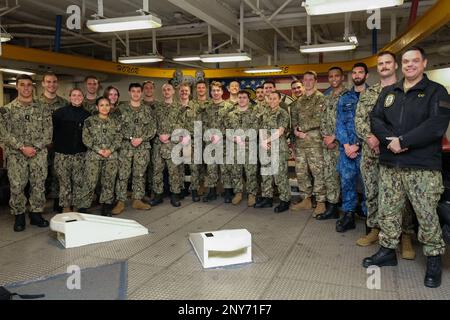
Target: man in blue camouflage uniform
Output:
[(349, 148)]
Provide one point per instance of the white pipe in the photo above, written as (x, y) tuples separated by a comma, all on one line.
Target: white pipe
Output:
[(393, 26), (308, 29), (127, 47), (275, 48), (100, 12), (209, 39), (155, 49), (146, 5), (114, 49)]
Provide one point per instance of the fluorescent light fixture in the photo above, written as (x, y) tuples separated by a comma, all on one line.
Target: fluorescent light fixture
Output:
[(328, 47), (12, 83), (151, 58), (5, 37), (13, 71), (187, 58), (266, 70), (225, 57), (318, 7), (124, 23)]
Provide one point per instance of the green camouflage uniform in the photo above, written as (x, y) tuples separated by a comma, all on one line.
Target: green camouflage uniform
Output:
[(408, 183), (213, 119), (189, 114), (273, 120), (370, 168), (100, 134), (69, 169), (135, 123), (30, 126), (90, 105), (306, 116), (52, 183), (149, 172), (168, 118), (260, 107), (330, 157), (244, 120)]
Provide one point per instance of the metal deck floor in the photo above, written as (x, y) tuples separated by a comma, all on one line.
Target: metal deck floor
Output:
[(294, 257)]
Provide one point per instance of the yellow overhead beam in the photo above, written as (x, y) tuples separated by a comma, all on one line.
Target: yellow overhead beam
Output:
[(432, 20)]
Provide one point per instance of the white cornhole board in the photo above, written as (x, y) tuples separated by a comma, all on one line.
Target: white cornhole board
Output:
[(222, 248), (77, 229)]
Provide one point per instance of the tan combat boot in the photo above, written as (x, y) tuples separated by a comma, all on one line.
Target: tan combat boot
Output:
[(320, 209), (118, 209), (304, 204), (369, 239), (408, 251), (237, 198), (251, 200), (139, 205), (67, 209)]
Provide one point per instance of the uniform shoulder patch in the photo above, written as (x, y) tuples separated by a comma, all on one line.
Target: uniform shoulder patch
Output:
[(2, 110), (389, 100)]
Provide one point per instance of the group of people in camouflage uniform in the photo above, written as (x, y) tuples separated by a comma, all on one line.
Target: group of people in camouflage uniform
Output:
[(350, 149)]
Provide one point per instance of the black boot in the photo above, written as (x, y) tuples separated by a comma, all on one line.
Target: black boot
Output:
[(56, 207), (195, 197), (283, 206), (82, 210), (211, 195), (345, 223), (383, 258), (158, 199), (264, 203), (313, 201), (228, 195), (37, 220), (332, 212), (434, 272), (19, 224), (106, 210), (175, 200)]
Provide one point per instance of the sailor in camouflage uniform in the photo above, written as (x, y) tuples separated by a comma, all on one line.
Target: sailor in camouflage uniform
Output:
[(50, 99), (138, 127), (330, 144), (191, 112), (410, 119), (92, 86), (276, 171), (168, 119), (213, 119), (246, 119), (103, 138), (306, 117), (386, 67), (150, 101), (26, 131)]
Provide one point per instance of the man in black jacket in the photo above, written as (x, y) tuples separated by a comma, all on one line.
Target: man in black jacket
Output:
[(409, 120)]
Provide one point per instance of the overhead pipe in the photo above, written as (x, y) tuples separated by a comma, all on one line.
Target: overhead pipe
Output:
[(374, 40), (279, 9), (58, 29), (241, 27), (257, 11), (413, 12), (393, 26)]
